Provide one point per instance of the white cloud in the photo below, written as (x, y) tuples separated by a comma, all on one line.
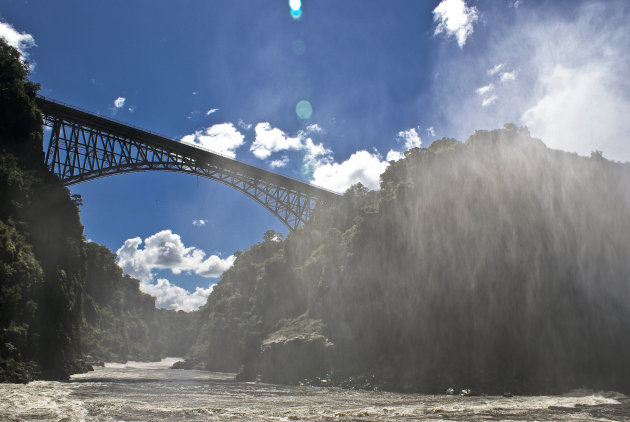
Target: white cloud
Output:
[(314, 128), (393, 155), (316, 154), (212, 110), (581, 112), (132, 109), (119, 102), (222, 138), (279, 163), (165, 250), (243, 125), (496, 69), (484, 90), (486, 93), (21, 41), (431, 130), (508, 76), (269, 140), (199, 223), (456, 19), (572, 91), (489, 100), (362, 167), (410, 138), (583, 98), (170, 296)]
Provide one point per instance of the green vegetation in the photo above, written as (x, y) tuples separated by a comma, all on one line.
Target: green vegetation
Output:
[(42, 258), (120, 322), (60, 297), (496, 264)]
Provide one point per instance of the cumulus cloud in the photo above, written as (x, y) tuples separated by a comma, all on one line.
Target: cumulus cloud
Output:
[(21, 41), (270, 139), (199, 223), (282, 162), (431, 130), (455, 19), (314, 128), (410, 138), (165, 250), (170, 296), (119, 102), (394, 155), (315, 155), (362, 166), (211, 111), (222, 138)]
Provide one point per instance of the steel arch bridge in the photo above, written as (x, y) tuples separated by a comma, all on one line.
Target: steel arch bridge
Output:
[(84, 146)]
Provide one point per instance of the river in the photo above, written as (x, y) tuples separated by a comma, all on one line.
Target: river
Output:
[(139, 391)]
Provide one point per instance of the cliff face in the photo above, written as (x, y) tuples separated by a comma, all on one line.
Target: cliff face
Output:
[(496, 264), (41, 238), (61, 297)]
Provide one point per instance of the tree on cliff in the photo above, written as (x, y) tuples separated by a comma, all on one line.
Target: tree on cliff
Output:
[(56, 290), (21, 121), (41, 241), (496, 264)]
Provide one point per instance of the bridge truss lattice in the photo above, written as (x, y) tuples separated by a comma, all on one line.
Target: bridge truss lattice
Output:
[(84, 146)]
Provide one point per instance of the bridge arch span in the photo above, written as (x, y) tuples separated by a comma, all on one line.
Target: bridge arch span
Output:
[(84, 146)]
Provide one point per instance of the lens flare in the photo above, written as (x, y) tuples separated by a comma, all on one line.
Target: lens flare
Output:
[(304, 110), (296, 8), (298, 47), (295, 4)]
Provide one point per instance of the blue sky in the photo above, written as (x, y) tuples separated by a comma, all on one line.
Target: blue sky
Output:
[(380, 77)]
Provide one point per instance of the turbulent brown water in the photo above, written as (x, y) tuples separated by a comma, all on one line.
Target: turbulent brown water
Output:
[(150, 391)]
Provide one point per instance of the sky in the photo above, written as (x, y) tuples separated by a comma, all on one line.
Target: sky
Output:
[(324, 91)]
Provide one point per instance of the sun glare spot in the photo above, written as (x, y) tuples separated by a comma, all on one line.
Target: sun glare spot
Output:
[(304, 110), (296, 8)]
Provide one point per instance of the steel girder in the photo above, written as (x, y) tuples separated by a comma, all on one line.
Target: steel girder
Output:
[(84, 146)]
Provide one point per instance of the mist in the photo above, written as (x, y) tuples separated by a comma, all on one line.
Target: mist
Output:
[(560, 73), (496, 264)]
